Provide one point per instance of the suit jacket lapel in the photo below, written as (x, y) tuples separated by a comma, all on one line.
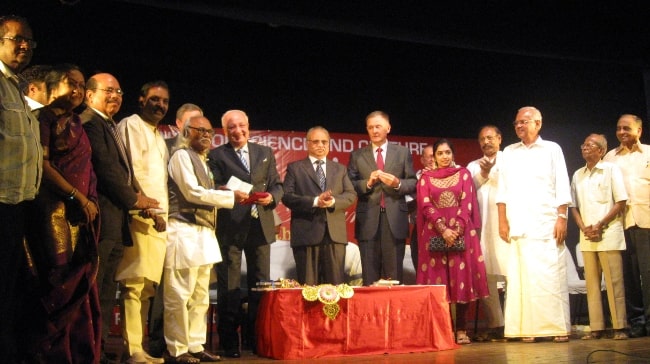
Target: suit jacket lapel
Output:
[(390, 157), (311, 172), (231, 152), (370, 158), (329, 176)]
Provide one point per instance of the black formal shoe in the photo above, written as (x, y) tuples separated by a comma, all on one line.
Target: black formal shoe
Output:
[(206, 357), (637, 331), (232, 353)]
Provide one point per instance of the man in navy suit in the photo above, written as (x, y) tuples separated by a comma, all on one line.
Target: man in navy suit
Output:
[(245, 228), (318, 191), (382, 174)]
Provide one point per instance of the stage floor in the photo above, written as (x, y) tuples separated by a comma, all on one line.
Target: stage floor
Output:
[(575, 352)]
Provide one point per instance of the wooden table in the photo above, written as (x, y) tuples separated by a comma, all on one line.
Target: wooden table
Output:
[(376, 320)]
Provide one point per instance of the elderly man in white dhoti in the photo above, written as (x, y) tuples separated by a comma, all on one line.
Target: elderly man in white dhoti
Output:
[(532, 200)]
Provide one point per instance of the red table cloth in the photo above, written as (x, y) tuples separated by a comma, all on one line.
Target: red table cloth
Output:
[(376, 320)]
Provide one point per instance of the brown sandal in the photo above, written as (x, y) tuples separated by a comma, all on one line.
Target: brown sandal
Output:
[(561, 339), (528, 340), (620, 335), (594, 335), (185, 358)]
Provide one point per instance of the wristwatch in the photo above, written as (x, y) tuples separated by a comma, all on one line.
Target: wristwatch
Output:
[(562, 216)]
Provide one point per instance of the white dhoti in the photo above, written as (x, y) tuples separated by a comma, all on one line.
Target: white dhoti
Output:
[(537, 296), (186, 301)]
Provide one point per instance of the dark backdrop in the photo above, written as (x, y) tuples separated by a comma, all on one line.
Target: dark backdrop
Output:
[(291, 69)]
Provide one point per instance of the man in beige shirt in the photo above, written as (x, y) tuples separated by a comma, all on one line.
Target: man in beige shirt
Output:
[(633, 158)]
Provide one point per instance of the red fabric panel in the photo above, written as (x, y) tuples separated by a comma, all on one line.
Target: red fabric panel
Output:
[(376, 320)]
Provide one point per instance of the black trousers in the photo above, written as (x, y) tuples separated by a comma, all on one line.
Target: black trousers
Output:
[(229, 288), (13, 270)]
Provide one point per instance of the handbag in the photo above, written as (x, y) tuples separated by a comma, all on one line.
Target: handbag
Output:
[(438, 244)]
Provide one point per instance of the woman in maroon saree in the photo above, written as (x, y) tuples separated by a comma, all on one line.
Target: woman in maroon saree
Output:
[(448, 208), (62, 248)]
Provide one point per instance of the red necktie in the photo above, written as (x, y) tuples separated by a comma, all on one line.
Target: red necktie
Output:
[(380, 166)]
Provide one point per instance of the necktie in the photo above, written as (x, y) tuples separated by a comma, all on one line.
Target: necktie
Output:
[(380, 166), (240, 153), (320, 174), (120, 146)]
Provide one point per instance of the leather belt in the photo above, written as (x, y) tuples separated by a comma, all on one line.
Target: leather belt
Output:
[(382, 209)]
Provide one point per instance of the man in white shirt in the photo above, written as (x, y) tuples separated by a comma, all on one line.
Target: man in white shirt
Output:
[(141, 266), (633, 158), (192, 246), (599, 197), (532, 200), (485, 173)]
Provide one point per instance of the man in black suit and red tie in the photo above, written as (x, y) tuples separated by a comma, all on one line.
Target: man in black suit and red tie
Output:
[(245, 228), (318, 191), (382, 174)]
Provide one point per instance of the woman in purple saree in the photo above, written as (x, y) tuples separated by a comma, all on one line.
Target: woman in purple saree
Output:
[(63, 322)]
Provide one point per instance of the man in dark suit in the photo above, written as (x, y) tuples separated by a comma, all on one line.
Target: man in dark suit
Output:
[(382, 174), (117, 188), (318, 192), (248, 228)]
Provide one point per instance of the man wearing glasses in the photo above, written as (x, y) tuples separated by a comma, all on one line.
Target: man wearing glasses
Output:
[(117, 188), (192, 246), (141, 266), (21, 169), (533, 195), (318, 192)]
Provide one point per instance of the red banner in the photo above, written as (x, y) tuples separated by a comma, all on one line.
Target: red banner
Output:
[(289, 146)]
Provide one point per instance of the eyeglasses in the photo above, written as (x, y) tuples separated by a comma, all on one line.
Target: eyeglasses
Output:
[(522, 122), (588, 146), (201, 130), (315, 142), (111, 90), (21, 40)]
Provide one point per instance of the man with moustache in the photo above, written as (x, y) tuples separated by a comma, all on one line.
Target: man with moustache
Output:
[(485, 173), (140, 269), (117, 189), (633, 158), (192, 247), (246, 228), (318, 192), (156, 335), (382, 174), (21, 169), (533, 195)]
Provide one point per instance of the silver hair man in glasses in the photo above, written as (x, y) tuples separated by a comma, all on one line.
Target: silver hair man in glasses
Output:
[(532, 200)]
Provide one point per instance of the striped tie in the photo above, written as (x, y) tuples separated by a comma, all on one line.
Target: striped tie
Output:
[(240, 153), (120, 146), (321, 174)]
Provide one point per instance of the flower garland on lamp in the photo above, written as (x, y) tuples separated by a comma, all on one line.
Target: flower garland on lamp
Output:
[(329, 295)]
